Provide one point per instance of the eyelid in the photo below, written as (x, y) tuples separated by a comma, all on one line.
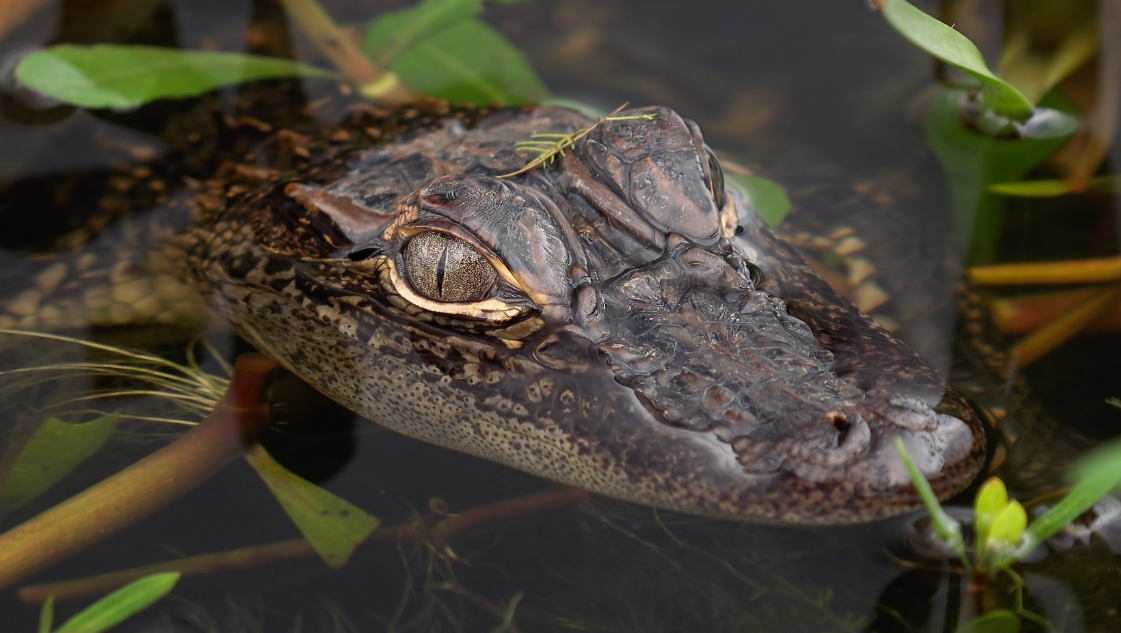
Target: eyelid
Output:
[(492, 310)]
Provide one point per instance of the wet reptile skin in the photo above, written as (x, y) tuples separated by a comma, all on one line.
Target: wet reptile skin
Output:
[(642, 333)]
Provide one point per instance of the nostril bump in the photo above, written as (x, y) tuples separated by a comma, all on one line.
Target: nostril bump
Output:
[(838, 419)]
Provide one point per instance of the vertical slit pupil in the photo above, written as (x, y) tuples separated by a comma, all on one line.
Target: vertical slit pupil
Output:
[(440, 269)]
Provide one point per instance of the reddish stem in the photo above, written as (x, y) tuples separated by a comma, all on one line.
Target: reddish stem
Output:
[(297, 548), (145, 487)]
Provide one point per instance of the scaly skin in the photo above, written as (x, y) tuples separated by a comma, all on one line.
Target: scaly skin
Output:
[(640, 334)]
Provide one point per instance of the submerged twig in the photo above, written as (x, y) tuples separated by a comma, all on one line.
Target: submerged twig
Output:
[(298, 548)]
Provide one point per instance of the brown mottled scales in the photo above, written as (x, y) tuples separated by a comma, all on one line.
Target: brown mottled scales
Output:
[(619, 322)]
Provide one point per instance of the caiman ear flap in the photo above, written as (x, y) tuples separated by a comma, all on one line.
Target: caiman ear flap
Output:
[(358, 224)]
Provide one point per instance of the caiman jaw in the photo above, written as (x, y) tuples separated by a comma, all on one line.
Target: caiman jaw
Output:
[(617, 322)]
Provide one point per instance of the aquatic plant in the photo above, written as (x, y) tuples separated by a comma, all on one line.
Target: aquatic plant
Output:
[(1002, 534)]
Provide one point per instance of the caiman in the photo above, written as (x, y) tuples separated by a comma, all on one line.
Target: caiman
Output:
[(619, 319)]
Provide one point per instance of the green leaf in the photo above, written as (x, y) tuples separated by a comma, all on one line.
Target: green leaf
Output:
[(332, 525), (121, 604), (46, 615), (394, 31), (1097, 473), (955, 49), (971, 162), (1052, 188), (946, 527), (991, 500), (126, 77), (56, 448), (469, 62), (998, 621), (1008, 526), (767, 197)]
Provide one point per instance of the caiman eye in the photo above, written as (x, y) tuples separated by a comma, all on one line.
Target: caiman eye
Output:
[(715, 179), (443, 267)]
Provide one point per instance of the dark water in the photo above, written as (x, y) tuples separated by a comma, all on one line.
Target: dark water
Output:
[(822, 87)]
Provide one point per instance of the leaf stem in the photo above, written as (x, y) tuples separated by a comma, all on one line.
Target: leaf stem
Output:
[(372, 82), (143, 488), (1050, 336), (1078, 271)]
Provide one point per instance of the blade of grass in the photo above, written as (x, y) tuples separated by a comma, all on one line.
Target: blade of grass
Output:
[(121, 604), (46, 616), (945, 526), (1052, 188), (1098, 473)]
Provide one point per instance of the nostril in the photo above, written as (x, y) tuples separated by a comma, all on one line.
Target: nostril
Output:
[(840, 422)]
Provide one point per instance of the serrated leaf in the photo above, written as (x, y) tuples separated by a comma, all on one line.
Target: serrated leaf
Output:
[(469, 62), (332, 525), (948, 45), (126, 77), (56, 449), (121, 604), (767, 197), (394, 31)]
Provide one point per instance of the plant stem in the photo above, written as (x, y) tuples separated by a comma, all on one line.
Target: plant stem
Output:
[(1050, 336), (1079, 271), (1023, 314), (299, 548), (143, 488), (377, 84)]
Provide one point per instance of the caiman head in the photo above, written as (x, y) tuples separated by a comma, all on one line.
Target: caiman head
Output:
[(617, 320)]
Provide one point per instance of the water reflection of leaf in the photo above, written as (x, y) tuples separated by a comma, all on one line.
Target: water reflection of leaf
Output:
[(54, 450), (332, 525)]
